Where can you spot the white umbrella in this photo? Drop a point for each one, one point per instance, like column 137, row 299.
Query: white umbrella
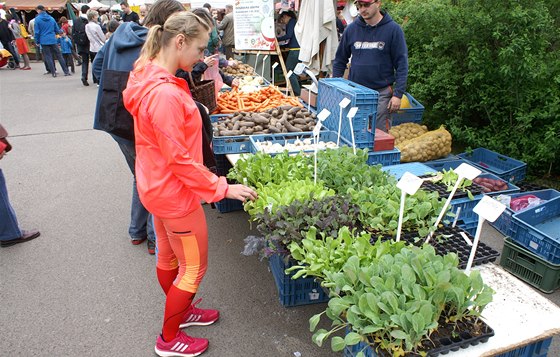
column 96, row 5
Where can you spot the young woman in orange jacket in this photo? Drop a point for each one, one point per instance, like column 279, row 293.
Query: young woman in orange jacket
column 170, row 175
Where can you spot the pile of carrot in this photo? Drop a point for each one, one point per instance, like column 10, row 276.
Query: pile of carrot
column 258, row 101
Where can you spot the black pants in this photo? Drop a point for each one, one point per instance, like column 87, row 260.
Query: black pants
column 85, row 65
column 69, row 61
column 8, row 46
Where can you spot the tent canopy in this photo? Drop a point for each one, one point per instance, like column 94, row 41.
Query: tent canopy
column 50, row 5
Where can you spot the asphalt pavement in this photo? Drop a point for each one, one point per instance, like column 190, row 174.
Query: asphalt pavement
column 82, row 289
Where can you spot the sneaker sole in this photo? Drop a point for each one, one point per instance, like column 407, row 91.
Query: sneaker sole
column 194, row 323
column 178, row 354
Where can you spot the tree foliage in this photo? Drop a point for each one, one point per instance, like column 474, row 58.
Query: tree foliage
column 490, row 71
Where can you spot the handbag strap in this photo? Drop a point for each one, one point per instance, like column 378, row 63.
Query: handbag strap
column 3, row 132
column 191, row 80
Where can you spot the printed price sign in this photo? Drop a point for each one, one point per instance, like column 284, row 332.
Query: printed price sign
column 489, row 209
column 409, row 183
column 467, row 171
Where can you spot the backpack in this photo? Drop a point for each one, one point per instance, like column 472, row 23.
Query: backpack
column 79, row 33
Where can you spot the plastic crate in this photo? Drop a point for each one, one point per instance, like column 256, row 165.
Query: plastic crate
column 408, row 115
column 238, row 144
column 503, row 223
column 536, row 349
column 284, row 138
column 529, row 267
column 227, row 205
column 301, row 291
column 441, row 165
column 385, row 158
column 469, row 226
column 415, row 168
column 538, row 230
column 500, row 165
column 332, row 91
column 383, row 141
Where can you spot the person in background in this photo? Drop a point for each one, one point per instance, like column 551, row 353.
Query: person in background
column 340, row 22
column 7, row 38
column 66, row 49
column 228, row 38
column 143, row 13
column 113, row 64
column 21, row 43
column 10, row 233
column 67, row 29
column 214, row 41
column 79, row 35
column 111, row 28
column 104, row 19
column 171, row 177
column 289, row 19
column 379, row 57
column 45, row 35
column 95, row 36
column 128, row 14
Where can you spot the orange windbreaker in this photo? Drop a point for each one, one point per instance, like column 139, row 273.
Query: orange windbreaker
column 170, row 176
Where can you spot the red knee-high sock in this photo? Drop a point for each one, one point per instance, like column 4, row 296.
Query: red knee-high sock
column 166, row 278
column 176, row 305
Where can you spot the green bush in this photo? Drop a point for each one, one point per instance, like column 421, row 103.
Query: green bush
column 490, row 71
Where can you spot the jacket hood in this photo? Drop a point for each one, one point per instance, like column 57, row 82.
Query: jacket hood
column 43, row 17
column 129, row 35
column 142, row 81
column 385, row 20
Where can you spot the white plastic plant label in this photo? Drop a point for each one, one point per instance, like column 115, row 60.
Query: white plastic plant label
column 317, row 129
column 274, row 65
column 489, row 209
column 352, row 112
column 467, row 171
column 289, row 74
column 409, row 183
column 323, row 115
column 344, row 102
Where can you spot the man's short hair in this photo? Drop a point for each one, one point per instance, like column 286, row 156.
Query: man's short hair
column 229, row 7
column 124, row 3
column 40, row 7
column 84, row 9
column 207, row 5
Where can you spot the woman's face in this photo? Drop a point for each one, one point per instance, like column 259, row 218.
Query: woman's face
column 192, row 51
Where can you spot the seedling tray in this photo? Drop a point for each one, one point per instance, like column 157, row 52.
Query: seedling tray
column 282, row 139
column 452, row 244
column 443, row 339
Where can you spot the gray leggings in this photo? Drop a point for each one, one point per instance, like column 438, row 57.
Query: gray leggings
column 383, row 120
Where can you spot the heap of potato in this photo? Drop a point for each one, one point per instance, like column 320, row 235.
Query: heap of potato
column 407, row 131
column 428, row 146
column 239, row 70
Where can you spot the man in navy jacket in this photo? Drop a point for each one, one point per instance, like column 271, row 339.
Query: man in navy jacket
column 379, row 57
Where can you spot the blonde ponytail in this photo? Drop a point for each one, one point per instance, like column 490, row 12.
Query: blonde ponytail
column 183, row 22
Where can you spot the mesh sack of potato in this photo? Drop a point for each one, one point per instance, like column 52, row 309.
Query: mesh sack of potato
column 428, row 146
column 407, row 131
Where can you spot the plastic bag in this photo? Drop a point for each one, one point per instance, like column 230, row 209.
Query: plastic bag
column 213, row 72
column 525, row 202
column 253, row 245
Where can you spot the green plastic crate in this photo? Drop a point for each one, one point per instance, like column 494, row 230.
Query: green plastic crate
column 529, row 267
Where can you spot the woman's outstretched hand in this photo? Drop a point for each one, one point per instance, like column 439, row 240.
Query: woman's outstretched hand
column 241, row 193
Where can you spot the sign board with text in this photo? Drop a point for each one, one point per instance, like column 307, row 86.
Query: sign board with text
column 254, row 25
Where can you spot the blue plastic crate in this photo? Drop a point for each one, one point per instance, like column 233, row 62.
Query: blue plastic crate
column 449, row 157
column 385, row 158
column 291, row 137
column 500, row 165
column 415, row 168
column 538, row 230
column 238, row 144
column 503, row 223
column 440, row 165
column 227, row 205
column 408, row 115
column 301, row 291
column 536, row 349
column 332, row 91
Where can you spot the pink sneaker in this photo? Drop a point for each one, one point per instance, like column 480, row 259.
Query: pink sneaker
column 182, row 345
column 199, row 317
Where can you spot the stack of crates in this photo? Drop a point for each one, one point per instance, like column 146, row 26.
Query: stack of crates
column 331, row 92
column 226, row 205
column 532, row 252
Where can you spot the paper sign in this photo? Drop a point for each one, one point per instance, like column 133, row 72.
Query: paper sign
column 467, row 171
column 254, row 25
column 352, row 112
column 324, row 114
column 344, row 102
column 489, row 209
column 409, row 183
column 317, row 128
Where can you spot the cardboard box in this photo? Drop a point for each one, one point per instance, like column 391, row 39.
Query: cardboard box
column 309, row 99
column 383, row 141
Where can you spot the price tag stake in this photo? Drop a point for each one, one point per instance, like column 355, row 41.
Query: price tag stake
column 263, row 63
column 288, row 84
column 408, row 184
column 343, row 104
column 351, row 115
column 323, row 115
column 274, row 65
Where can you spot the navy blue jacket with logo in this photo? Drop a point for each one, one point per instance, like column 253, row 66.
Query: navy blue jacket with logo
column 379, row 54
